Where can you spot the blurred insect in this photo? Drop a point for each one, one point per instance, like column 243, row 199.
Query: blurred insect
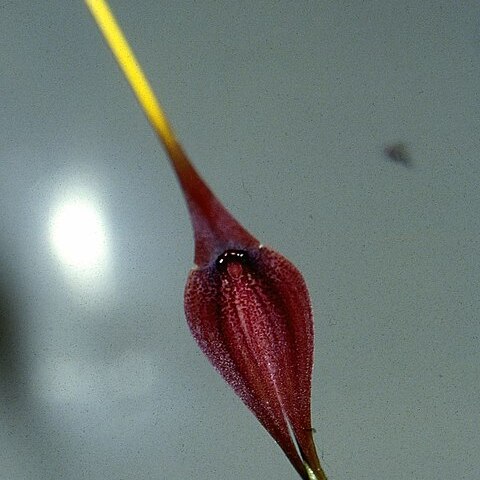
column 398, row 153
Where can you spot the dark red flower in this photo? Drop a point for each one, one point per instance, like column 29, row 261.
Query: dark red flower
column 247, row 306
column 249, row 310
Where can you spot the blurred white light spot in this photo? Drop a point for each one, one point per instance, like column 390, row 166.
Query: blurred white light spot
column 78, row 234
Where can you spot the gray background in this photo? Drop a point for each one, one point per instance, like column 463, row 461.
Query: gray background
column 285, row 108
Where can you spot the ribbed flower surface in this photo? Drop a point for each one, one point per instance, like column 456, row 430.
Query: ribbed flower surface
column 250, row 313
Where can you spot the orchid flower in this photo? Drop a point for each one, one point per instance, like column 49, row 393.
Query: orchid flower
column 246, row 305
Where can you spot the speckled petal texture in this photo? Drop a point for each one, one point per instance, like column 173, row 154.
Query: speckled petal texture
column 250, row 314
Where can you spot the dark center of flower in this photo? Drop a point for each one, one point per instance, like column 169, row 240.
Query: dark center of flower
column 231, row 256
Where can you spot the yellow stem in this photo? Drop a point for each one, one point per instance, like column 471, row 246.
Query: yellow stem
column 133, row 72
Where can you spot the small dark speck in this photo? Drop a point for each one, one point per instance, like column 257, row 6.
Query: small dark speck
column 398, row 153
